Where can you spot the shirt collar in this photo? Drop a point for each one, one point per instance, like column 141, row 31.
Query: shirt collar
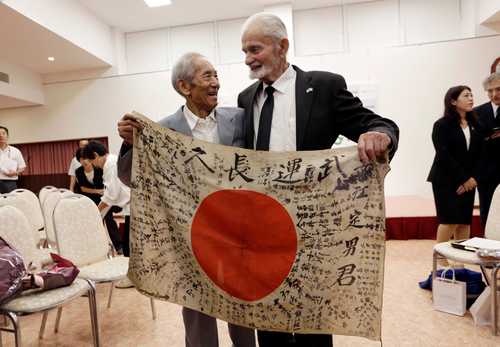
column 7, row 149
column 283, row 83
column 193, row 119
column 495, row 107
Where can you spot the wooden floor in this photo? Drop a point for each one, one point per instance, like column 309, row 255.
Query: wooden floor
column 408, row 318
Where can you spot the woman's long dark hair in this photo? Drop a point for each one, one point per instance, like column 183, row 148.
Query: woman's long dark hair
column 450, row 110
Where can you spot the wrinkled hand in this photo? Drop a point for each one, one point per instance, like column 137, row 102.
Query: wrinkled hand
column 126, row 127
column 372, row 144
column 495, row 135
column 467, row 186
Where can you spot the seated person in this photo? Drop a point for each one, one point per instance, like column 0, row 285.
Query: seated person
column 89, row 182
column 88, row 179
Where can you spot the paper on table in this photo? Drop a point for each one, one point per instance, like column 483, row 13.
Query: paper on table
column 479, row 242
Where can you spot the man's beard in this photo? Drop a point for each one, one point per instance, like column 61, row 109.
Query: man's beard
column 261, row 72
column 264, row 70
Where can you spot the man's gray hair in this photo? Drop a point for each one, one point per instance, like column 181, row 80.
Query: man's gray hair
column 269, row 24
column 495, row 76
column 184, row 69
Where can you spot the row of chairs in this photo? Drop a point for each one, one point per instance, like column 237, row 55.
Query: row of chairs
column 38, row 210
column 71, row 224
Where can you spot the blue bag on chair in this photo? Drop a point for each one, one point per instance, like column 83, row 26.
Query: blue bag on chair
column 473, row 280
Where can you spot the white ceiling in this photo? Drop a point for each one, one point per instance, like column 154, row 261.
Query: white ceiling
column 28, row 44
column 135, row 15
column 31, row 44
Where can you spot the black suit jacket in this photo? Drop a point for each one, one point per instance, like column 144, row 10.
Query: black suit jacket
column 453, row 163
column 489, row 166
column 324, row 109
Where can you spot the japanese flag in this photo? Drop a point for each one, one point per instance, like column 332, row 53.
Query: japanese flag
column 282, row 241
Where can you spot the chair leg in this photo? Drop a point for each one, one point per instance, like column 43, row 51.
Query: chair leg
column 93, row 314
column 494, row 314
column 486, row 274
column 153, row 308
column 4, row 323
column 16, row 327
column 58, row 319
column 434, row 269
column 42, row 326
column 110, row 294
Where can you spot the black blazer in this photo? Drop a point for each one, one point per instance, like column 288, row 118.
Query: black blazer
column 324, row 109
column 453, row 164
column 82, row 181
column 489, row 165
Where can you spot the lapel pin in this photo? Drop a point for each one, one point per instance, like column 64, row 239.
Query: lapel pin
column 308, row 90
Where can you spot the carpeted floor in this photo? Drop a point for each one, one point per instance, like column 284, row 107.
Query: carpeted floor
column 408, row 317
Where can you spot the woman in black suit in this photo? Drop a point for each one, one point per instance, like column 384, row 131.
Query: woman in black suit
column 453, row 172
column 89, row 182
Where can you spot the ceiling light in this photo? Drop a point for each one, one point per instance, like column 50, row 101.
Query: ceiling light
column 51, row 58
column 157, row 3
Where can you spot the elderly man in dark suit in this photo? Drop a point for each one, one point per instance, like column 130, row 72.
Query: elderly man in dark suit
column 196, row 80
column 290, row 109
column 489, row 126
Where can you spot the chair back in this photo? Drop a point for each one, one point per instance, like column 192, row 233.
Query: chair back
column 492, row 229
column 15, row 229
column 79, row 229
column 42, row 194
column 23, row 205
column 48, row 207
column 35, row 215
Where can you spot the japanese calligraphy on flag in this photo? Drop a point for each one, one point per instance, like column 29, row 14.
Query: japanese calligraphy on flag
column 281, row 241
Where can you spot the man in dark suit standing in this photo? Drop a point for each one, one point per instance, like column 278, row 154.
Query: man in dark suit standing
column 290, row 109
column 489, row 126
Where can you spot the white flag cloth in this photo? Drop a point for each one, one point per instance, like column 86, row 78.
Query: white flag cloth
column 281, row 241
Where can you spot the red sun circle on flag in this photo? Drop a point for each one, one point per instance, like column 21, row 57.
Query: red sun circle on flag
column 244, row 241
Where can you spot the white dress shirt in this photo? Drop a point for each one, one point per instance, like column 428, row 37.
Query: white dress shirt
column 11, row 159
column 73, row 165
column 466, row 131
column 89, row 175
column 115, row 192
column 495, row 108
column 202, row 128
column 283, row 128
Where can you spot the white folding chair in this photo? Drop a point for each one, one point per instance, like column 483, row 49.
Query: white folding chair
column 23, row 205
column 42, row 194
column 48, row 207
column 82, row 238
column 14, row 229
column 32, row 210
column 444, row 250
